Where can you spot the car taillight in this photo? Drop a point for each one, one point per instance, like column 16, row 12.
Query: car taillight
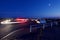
column 21, row 20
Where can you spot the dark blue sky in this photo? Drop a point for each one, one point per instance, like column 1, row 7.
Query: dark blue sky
column 30, row 8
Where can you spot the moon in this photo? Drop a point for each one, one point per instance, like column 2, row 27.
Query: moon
column 49, row 4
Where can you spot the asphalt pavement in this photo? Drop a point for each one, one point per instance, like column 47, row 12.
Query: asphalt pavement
column 18, row 32
column 11, row 30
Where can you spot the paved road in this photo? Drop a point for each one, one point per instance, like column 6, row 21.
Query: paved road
column 14, row 29
column 18, row 32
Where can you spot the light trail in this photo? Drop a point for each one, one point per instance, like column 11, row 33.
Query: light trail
column 9, row 22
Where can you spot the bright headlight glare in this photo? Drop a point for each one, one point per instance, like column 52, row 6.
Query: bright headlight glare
column 37, row 21
column 5, row 21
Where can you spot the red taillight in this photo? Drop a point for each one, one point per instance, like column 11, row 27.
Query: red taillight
column 21, row 20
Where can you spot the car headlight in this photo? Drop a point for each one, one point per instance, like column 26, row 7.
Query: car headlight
column 37, row 21
column 5, row 21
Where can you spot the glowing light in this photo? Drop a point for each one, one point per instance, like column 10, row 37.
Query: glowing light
column 37, row 21
column 5, row 21
column 49, row 4
column 21, row 20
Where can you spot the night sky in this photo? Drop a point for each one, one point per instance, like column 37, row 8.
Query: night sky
column 30, row 8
